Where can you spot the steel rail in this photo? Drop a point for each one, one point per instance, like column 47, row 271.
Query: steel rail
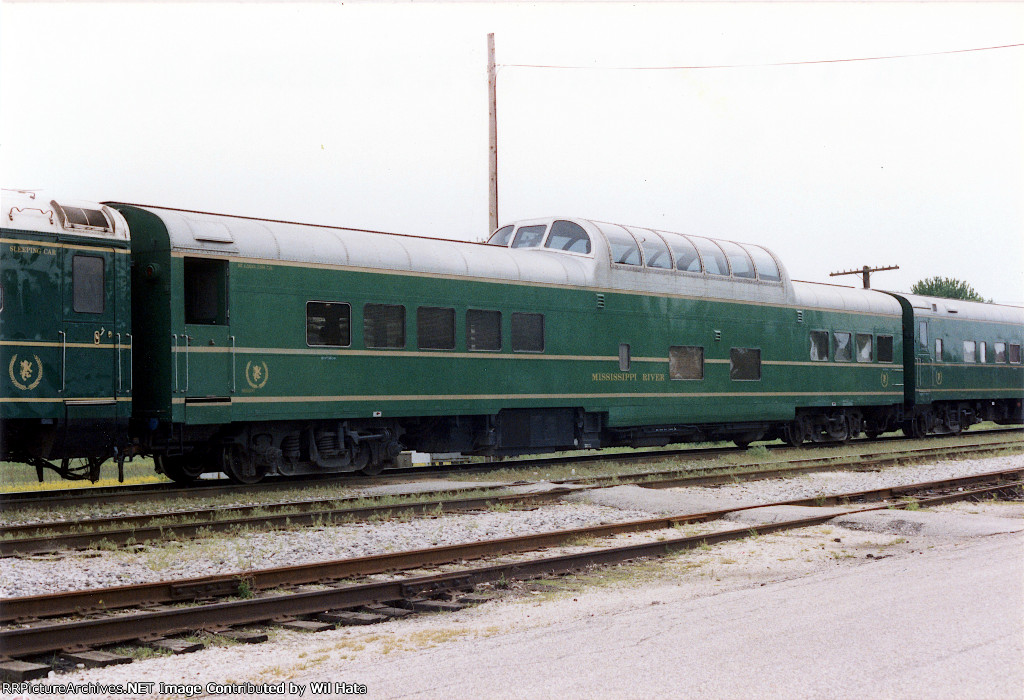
column 138, row 626
column 140, row 528
column 10, row 501
column 52, row 605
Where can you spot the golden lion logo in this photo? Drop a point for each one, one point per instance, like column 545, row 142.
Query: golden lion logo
column 24, row 374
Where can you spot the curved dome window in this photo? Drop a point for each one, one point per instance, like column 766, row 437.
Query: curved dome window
column 687, row 259
column 739, row 261
column 529, row 236
column 655, row 250
column 622, row 245
column 713, row 257
column 767, row 268
column 567, row 236
column 502, row 236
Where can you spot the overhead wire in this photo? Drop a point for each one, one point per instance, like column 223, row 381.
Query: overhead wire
column 764, row 65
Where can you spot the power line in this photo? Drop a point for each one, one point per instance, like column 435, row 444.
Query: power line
column 764, row 65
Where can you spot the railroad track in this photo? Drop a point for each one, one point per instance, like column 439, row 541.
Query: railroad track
column 207, row 488
column 36, row 538
column 149, row 613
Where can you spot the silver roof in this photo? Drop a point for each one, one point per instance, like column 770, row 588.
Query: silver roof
column 829, row 296
column 937, row 307
column 35, row 210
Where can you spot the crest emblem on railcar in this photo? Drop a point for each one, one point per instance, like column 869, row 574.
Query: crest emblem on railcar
column 25, row 374
column 256, row 374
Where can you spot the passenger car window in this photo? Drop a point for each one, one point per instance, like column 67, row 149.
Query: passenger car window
column 970, row 351
column 87, row 280
column 687, row 259
column 1014, row 354
column 565, row 235
column 686, row 362
column 741, row 264
column 527, row 332
column 624, row 357
column 885, row 348
column 745, row 364
column 982, row 352
column 767, row 268
column 206, row 291
column 501, row 237
column 435, row 328
column 844, row 350
column 819, row 346
column 384, row 326
column 623, row 247
column 712, row 255
column 938, row 349
column 656, row 253
column 328, row 324
column 864, row 353
column 1000, row 349
column 483, row 330
column 529, row 236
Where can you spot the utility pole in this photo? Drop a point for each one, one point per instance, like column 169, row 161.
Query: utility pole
column 865, row 273
column 492, row 94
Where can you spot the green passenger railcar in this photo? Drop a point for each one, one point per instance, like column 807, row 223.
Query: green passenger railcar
column 964, row 363
column 273, row 347
column 65, row 334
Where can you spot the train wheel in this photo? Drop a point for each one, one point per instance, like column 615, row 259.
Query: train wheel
column 238, row 463
column 183, row 469
column 366, row 465
column 839, row 429
column 796, row 433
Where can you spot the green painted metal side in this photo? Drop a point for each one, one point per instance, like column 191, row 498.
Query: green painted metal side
column 269, row 373
column 950, row 377
column 57, row 362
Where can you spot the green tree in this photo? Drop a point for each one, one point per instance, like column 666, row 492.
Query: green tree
column 946, row 287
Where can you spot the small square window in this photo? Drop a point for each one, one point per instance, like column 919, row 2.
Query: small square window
column 745, row 364
column 844, row 347
column 527, row 332
column 885, row 350
column 435, row 328
column 1014, row 353
column 864, row 347
column 1000, row 349
column 819, row 346
column 328, row 324
column 938, row 349
column 483, row 330
column 970, row 351
column 686, row 362
column 384, row 326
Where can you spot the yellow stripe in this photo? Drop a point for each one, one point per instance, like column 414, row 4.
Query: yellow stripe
column 68, row 246
column 18, row 399
column 512, row 397
column 340, row 352
column 49, row 344
column 998, row 365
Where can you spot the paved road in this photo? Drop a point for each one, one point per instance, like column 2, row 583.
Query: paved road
column 945, row 623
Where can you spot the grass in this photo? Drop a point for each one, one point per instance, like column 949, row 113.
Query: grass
column 17, row 477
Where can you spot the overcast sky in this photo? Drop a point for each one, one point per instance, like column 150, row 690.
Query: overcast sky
column 375, row 116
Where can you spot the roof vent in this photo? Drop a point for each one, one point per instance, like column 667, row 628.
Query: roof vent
column 800, row 316
column 210, row 231
column 600, row 301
